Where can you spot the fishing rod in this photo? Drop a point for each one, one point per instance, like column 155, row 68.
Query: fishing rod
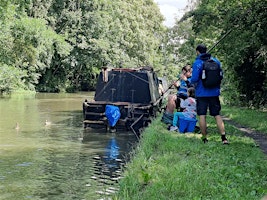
column 223, row 37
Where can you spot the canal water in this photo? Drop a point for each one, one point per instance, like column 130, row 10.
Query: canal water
column 57, row 160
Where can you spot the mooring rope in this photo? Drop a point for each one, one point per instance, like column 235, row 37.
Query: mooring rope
column 138, row 77
column 104, row 88
column 114, row 77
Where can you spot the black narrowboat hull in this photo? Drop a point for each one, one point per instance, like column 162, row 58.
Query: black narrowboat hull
column 134, row 92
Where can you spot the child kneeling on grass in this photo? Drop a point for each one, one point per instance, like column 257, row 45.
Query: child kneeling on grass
column 189, row 109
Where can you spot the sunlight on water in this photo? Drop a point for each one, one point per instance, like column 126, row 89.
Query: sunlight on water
column 59, row 160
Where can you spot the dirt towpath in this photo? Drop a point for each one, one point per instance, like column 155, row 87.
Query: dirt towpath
column 260, row 138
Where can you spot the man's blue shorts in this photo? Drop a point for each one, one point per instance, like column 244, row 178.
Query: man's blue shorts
column 211, row 103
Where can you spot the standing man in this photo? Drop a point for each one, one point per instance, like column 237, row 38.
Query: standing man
column 207, row 98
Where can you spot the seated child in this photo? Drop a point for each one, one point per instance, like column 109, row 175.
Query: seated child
column 189, row 109
column 174, row 99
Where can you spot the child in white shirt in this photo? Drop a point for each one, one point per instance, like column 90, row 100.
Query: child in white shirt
column 189, row 109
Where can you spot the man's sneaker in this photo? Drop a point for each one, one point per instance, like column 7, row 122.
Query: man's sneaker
column 205, row 140
column 225, row 142
column 173, row 128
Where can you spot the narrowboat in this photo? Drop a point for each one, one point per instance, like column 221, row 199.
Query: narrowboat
column 124, row 99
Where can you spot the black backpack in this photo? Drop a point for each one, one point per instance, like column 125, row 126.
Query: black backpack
column 211, row 74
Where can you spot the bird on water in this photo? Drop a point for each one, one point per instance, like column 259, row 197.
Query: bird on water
column 47, row 123
column 17, row 126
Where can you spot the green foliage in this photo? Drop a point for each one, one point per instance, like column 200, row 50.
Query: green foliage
column 28, row 44
column 104, row 33
column 11, row 78
column 182, row 37
column 64, row 44
column 242, row 52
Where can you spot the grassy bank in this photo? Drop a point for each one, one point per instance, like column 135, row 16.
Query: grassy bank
column 167, row 165
column 254, row 119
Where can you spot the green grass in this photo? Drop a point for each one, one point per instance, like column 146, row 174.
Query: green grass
column 167, row 165
column 254, row 119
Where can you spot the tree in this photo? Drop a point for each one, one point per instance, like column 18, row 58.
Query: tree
column 61, row 44
column 120, row 33
column 242, row 52
column 28, row 44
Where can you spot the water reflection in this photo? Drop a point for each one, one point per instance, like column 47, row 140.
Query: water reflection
column 112, row 152
column 59, row 161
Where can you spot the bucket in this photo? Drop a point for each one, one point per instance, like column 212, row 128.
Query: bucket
column 187, row 124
